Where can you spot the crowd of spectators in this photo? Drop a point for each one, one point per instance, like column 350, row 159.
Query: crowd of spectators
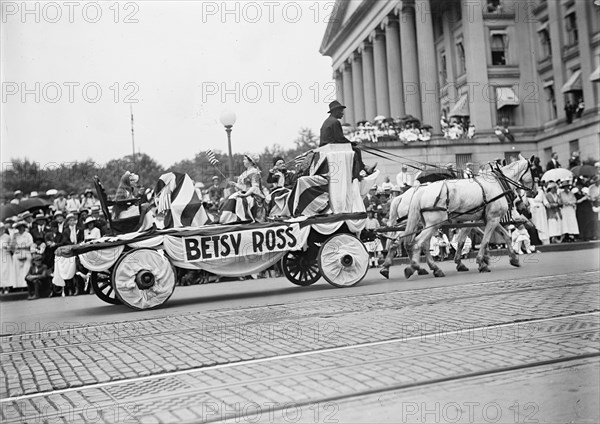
column 29, row 241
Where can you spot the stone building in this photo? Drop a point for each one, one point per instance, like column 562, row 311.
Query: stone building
column 525, row 65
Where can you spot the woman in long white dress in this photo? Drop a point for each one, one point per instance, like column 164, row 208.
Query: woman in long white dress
column 553, row 210
column 570, row 227
column 22, row 242
column 539, row 217
column 7, row 267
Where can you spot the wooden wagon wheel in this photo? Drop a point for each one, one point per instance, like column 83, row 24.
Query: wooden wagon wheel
column 301, row 268
column 103, row 287
column 143, row 279
column 343, row 260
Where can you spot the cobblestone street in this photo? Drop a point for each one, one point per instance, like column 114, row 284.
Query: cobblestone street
column 349, row 358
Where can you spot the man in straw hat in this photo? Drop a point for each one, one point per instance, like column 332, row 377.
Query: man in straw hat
column 332, row 132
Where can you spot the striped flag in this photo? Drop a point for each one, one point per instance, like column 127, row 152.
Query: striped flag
column 178, row 199
column 212, row 158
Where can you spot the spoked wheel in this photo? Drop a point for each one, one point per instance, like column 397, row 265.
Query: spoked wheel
column 103, row 287
column 343, row 260
column 301, row 268
column 143, row 279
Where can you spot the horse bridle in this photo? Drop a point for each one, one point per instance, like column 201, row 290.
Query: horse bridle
column 517, row 183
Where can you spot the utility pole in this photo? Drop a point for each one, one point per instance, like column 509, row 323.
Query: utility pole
column 132, row 137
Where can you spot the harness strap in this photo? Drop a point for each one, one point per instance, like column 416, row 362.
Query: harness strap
column 485, row 202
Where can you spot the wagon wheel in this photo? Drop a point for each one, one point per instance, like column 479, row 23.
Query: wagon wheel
column 143, row 279
column 301, row 268
column 343, row 260
column 103, row 287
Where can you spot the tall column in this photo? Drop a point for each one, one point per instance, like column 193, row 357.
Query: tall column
column 430, row 92
column 481, row 109
column 339, row 86
column 381, row 77
column 582, row 11
column 410, row 64
column 366, row 49
column 555, row 22
column 357, row 87
column 348, row 94
column 394, row 67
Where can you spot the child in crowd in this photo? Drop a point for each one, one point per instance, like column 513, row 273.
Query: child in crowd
column 38, row 273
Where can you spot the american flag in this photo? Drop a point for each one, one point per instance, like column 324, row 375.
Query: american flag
column 212, row 158
column 178, row 200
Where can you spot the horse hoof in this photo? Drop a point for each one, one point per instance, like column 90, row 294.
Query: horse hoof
column 439, row 273
column 515, row 262
column 385, row 272
column 422, row 272
column 484, row 269
column 408, row 271
column 461, row 268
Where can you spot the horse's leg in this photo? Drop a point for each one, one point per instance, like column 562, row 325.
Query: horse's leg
column 387, row 263
column 420, row 243
column 462, row 236
column 482, row 260
column 430, row 262
column 514, row 257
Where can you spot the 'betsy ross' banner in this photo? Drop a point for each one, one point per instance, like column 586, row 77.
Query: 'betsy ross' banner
column 244, row 243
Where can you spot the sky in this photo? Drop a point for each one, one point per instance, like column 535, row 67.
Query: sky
column 71, row 71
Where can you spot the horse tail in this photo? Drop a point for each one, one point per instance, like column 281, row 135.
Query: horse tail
column 414, row 216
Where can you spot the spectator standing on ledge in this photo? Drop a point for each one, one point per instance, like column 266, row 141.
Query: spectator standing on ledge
column 553, row 164
column 574, row 160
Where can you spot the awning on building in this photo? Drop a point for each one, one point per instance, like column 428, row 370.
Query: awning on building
column 461, row 108
column 574, row 82
column 595, row 77
column 505, row 96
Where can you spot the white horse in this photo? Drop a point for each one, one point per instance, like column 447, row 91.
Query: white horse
column 399, row 209
column 465, row 200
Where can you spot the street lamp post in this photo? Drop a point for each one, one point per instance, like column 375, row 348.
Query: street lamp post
column 228, row 119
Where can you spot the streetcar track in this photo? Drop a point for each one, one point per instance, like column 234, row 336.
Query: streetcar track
column 404, row 386
column 277, row 320
column 83, row 329
column 345, row 348
column 291, row 304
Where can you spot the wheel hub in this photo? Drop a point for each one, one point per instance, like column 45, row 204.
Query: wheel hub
column 347, row 260
column 144, row 280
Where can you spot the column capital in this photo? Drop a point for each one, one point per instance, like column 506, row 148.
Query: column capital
column 354, row 57
column 388, row 20
column 377, row 32
column 407, row 6
column 365, row 45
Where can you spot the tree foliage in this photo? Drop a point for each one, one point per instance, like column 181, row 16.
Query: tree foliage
column 27, row 175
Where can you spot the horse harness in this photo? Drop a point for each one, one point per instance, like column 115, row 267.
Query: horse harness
column 502, row 180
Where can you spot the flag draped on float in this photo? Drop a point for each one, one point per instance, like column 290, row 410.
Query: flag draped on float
column 179, row 201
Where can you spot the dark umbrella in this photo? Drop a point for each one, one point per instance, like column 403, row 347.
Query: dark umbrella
column 408, row 118
column 584, row 171
column 433, row 175
column 10, row 210
column 34, row 203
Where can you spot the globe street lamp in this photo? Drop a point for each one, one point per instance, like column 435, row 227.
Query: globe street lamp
column 228, row 119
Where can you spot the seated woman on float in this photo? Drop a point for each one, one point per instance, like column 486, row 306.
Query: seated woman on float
column 248, row 202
